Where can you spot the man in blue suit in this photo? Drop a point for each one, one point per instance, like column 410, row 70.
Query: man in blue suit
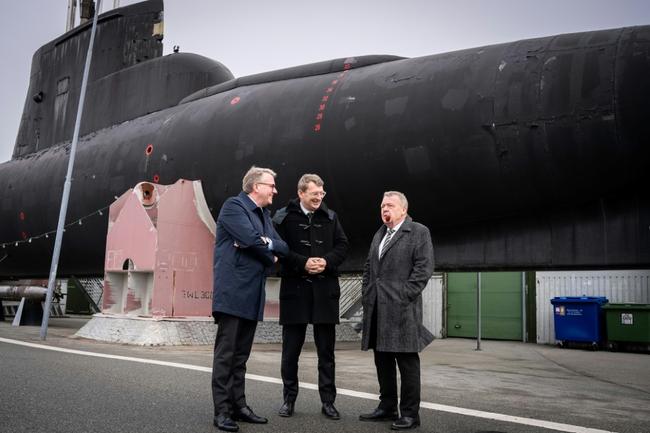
column 246, row 248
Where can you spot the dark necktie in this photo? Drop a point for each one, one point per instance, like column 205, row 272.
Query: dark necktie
column 310, row 215
column 260, row 214
column 389, row 236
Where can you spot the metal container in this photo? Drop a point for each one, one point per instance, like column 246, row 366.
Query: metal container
column 579, row 319
column 627, row 323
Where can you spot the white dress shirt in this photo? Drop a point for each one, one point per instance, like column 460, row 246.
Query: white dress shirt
column 395, row 229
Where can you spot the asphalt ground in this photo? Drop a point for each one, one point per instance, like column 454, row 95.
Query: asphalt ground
column 463, row 390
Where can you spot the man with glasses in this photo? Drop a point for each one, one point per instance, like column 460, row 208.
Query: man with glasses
column 309, row 292
column 246, row 247
column 398, row 268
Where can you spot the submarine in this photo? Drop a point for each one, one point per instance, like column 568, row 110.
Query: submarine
column 525, row 155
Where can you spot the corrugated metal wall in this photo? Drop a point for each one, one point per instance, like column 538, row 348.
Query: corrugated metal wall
column 432, row 305
column 617, row 286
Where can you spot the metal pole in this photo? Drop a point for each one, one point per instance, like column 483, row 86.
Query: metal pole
column 478, row 311
column 68, row 181
column 72, row 7
column 524, row 299
column 116, row 4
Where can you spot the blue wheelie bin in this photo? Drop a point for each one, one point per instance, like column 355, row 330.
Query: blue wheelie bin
column 579, row 319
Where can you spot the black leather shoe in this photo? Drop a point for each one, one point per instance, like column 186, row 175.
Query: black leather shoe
column 405, row 423
column 246, row 414
column 225, row 423
column 379, row 414
column 330, row 411
column 286, row 410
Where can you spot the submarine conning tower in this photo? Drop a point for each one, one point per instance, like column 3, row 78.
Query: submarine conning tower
column 128, row 78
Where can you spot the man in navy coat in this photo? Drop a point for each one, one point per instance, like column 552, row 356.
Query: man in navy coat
column 246, row 247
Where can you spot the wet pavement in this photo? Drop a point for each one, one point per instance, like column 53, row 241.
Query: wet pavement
column 505, row 387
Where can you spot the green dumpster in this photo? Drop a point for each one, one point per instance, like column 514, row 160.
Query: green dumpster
column 627, row 323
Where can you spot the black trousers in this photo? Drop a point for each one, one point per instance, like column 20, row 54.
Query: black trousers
column 293, row 338
column 232, row 347
column 409, row 370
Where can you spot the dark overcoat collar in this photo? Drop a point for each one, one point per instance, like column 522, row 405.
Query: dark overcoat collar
column 249, row 203
column 294, row 206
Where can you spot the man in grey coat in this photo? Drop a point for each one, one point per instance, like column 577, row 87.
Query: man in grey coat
column 398, row 267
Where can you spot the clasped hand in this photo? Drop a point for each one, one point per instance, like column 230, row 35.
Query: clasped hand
column 315, row 265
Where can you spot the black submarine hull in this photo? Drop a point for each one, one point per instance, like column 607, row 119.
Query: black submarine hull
column 527, row 155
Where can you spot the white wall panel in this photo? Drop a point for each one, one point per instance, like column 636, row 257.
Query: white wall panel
column 432, row 305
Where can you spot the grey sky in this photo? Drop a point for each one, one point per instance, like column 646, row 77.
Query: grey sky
column 251, row 36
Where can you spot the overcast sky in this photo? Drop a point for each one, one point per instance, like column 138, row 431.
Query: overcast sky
column 251, row 36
